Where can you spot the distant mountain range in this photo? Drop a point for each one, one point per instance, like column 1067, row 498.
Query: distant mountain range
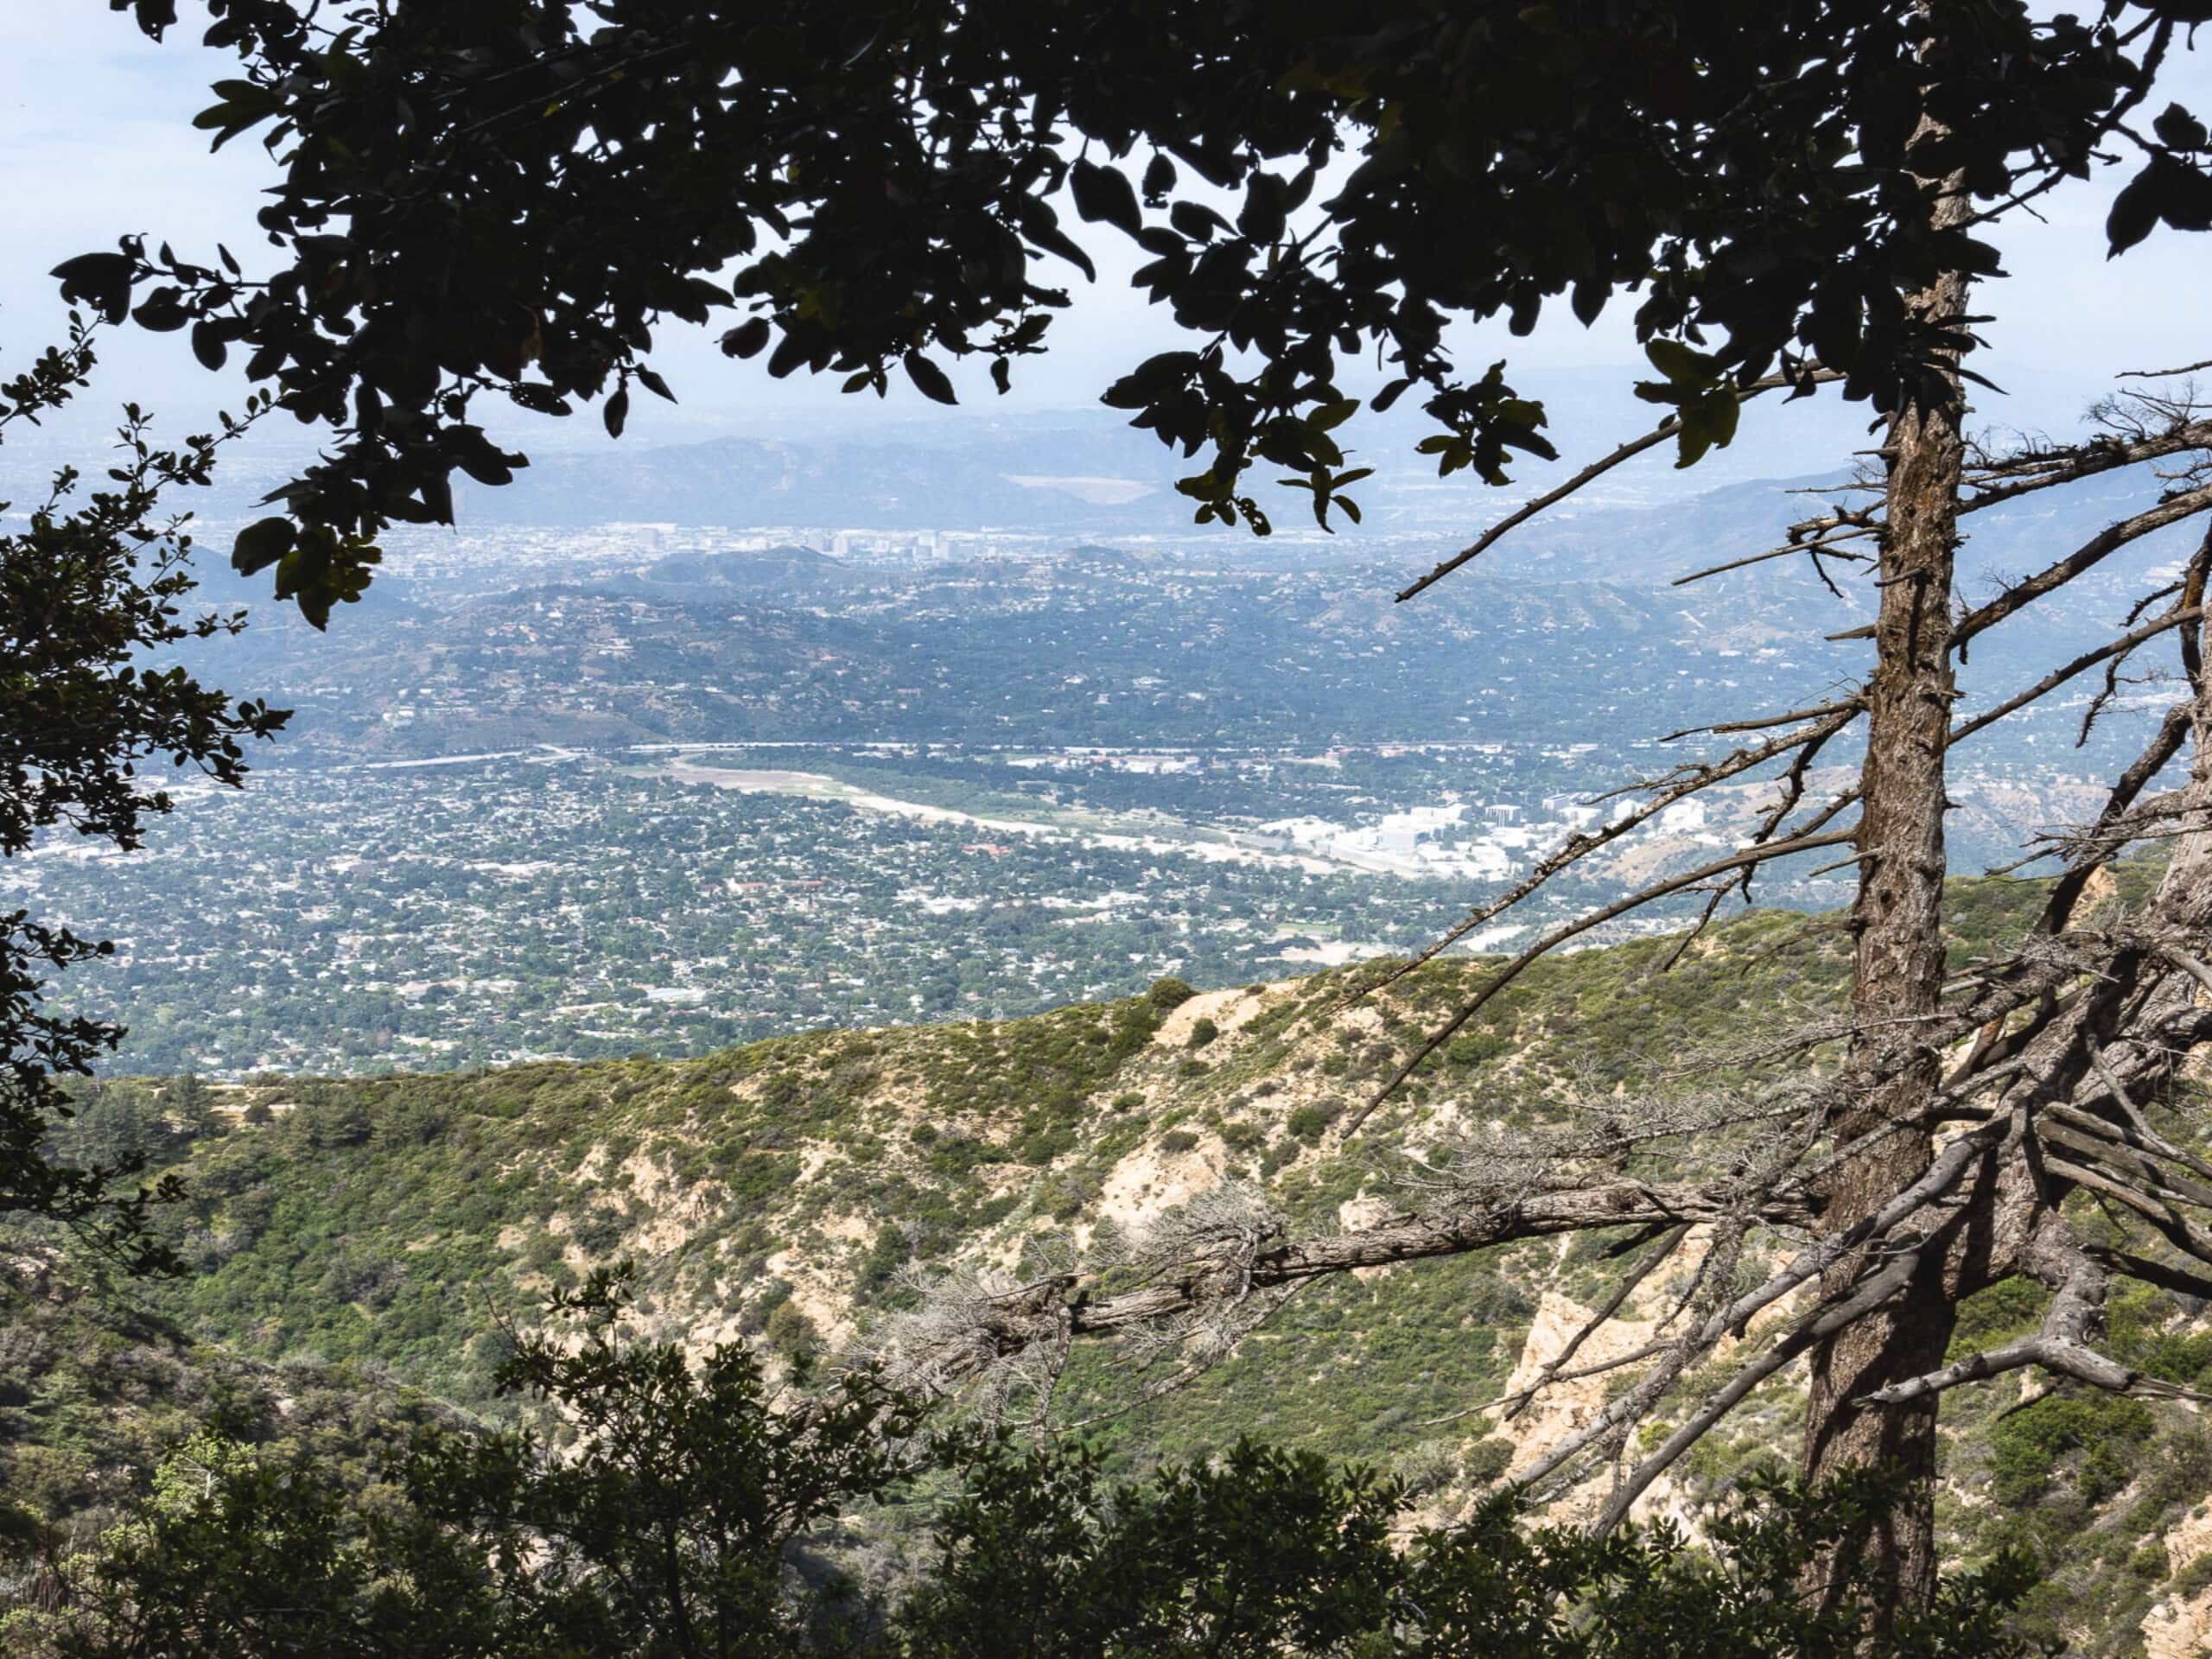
column 1086, row 469
column 1096, row 474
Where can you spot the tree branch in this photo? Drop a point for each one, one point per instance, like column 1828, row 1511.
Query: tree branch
column 1589, row 475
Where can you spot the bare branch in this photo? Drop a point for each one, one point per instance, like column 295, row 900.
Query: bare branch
column 2165, row 1275
column 1825, row 547
column 2061, row 1345
column 1613, row 1304
column 1597, row 469
column 2185, row 1234
column 2091, row 553
column 2058, row 676
column 2164, row 374
column 2042, row 470
column 1824, row 1321
column 2099, row 844
column 1944, row 1173
column 980, row 1324
column 1579, row 847
column 2188, row 964
column 1842, row 705
column 1743, row 858
column 2172, row 511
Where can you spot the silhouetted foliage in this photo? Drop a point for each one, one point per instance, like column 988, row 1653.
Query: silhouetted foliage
column 692, row 1514
column 91, row 586
column 512, row 196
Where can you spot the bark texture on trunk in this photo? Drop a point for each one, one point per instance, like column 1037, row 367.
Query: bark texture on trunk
column 1898, row 962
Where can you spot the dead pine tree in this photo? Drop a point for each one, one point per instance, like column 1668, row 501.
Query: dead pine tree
column 1901, row 1186
column 1964, row 1121
column 1913, row 1175
column 1898, row 928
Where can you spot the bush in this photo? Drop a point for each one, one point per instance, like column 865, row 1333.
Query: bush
column 2027, row 1447
column 2009, row 1308
column 1475, row 1049
column 2150, row 1563
column 334, row 1124
column 1203, row 1032
column 1486, row 1459
column 1427, row 1468
column 1168, row 995
column 667, row 1527
column 791, row 1333
column 2195, row 1579
column 1178, row 1141
column 1266, row 1552
column 599, row 1232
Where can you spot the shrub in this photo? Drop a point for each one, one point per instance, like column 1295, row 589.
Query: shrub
column 1170, row 994
column 1178, row 1141
column 2196, row 1577
column 333, row 1124
column 1474, row 1049
column 1426, row 1468
column 2026, row 1447
column 2007, row 1309
column 599, row 1234
column 2150, row 1563
column 1486, row 1459
column 791, row 1333
column 668, row 1524
column 1204, row 1032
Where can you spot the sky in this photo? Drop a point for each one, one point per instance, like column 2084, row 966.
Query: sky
column 96, row 141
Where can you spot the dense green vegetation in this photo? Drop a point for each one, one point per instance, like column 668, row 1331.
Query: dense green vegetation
column 687, row 1516
column 97, row 1393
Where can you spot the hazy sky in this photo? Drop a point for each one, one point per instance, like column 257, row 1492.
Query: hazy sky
column 97, row 142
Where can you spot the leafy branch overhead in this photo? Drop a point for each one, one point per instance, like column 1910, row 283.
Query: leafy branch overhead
column 513, row 198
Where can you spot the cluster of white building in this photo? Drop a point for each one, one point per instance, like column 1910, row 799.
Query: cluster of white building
column 1461, row 839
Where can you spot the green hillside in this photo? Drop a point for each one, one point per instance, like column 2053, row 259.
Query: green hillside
column 803, row 1192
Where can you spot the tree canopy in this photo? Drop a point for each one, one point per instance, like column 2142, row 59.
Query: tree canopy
column 93, row 585
column 510, row 197
column 691, row 1517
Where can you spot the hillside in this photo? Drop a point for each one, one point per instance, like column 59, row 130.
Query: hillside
column 97, row 1389
column 801, row 1193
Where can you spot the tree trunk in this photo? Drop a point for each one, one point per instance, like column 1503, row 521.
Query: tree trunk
column 1898, row 960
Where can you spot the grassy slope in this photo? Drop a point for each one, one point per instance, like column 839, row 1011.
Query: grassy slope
column 789, row 1186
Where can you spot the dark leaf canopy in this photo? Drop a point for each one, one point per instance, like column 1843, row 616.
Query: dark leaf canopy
column 509, row 197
